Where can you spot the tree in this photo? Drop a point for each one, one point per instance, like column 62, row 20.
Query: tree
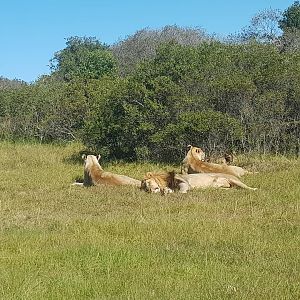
column 143, row 44
column 290, row 25
column 263, row 27
column 242, row 96
column 84, row 57
column 7, row 83
column 291, row 17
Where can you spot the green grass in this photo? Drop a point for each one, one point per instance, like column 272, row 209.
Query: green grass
column 63, row 242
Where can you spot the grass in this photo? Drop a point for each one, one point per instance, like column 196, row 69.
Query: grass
column 63, row 242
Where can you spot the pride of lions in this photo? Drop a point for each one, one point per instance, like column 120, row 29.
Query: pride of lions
column 195, row 173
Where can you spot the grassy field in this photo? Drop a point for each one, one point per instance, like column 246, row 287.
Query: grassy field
column 58, row 241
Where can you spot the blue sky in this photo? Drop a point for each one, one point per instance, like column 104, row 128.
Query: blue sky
column 33, row 30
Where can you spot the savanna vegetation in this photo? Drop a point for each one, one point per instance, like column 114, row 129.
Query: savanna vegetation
column 58, row 241
column 146, row 97
column 139, row 103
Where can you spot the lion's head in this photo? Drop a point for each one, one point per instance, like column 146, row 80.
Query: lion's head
column 91, row 160
column 196, row 152
column 229, row 157
column 163, row 183
column 91, row 164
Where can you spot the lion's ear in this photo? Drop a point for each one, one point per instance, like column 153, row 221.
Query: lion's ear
column 149, row 174
column 188, row 147
column 83, row 156
column 98, row 157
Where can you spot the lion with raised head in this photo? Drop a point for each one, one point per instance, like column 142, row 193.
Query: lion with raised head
column 95, row 175
column 194, row 162
column 169, row 182
column 228, row 158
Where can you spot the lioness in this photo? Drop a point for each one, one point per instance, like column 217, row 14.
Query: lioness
column 165, row 183
column 95, row 175
column 194, row 163
column 227, row 158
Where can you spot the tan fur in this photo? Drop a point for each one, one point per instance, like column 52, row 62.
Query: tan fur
column 95, row 175
column 168, row 182
column 159, row 182
column 194, row 163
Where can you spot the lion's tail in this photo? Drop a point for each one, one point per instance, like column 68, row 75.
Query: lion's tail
column 251, row 172
column 240, row 184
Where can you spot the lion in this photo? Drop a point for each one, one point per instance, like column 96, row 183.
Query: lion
column 194, row 162
column 95, row 175
column 228, row 158
column 168, row 182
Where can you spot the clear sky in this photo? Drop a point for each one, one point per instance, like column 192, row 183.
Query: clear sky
column 32, row 31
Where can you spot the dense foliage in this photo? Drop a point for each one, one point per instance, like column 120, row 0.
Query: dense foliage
column 242, row 95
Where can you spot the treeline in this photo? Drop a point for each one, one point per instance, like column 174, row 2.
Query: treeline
column 150, row 95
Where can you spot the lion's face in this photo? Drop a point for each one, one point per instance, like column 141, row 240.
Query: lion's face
column 150, row 185
column 155, row 184
column 198, row 153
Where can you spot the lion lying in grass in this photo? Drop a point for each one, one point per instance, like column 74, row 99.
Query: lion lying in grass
column 194, row 163
column 95, row 175
column 165, row 183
